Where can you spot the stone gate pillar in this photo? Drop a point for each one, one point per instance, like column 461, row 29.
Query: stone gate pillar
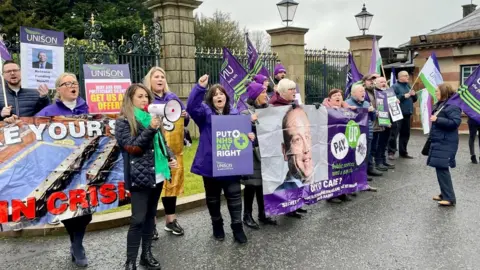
column 361, row 48
column 289, row 44
column 178, row 42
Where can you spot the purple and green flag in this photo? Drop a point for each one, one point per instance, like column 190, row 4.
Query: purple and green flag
column 353, row 75
column 4, row 55
column 233, row 77
column 255, row 65
column 468, row 96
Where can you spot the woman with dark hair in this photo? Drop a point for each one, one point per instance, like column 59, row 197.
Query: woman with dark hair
column 147, row 162
column 444, row 139
column 257, row 99
column 216, row 102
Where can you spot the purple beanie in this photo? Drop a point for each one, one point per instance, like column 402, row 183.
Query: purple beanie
column 279, row 68
column 259, row 78
column 254, row 90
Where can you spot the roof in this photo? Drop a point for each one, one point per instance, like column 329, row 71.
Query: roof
column 468, row 23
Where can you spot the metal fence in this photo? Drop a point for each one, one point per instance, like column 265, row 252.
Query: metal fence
column 324, row 70
column 209, row 60
column 141, row 52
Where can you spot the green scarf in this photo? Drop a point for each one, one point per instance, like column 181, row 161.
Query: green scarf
column 161, row 162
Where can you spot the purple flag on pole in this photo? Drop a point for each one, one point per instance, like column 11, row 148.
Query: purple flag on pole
column 233, row 77
column 4, row 52
column 468, row 96
column 353, row 75
column 255, row 65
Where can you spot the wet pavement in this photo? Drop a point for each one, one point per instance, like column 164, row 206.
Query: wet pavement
column 399, row 227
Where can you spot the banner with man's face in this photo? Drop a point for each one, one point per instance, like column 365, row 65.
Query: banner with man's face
column 310, row 154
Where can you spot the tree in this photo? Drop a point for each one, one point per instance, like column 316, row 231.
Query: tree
column 14, row 15
column 218, row 31
column 261, row 40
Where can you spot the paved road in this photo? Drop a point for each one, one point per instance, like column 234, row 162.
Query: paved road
column 399, row 227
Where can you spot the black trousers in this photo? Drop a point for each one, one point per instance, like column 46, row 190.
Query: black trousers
column 402, row 131
column 142, row 222
column 169, row 204
column 382, row 141
column 232, row 192
column 77, row 225
column 473, row 129
column 249, row 194
column 446, row 186
column 392, row 139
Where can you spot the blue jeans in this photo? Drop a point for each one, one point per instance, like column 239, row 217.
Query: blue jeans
column 446, row 185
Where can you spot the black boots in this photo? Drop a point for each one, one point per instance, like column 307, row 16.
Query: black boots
column 130, row 265
column 267, row 220
column 474, row 159
column 250, row 222
column 238, row 233
column 218, row 231
column 146, row 258
column 77, row 251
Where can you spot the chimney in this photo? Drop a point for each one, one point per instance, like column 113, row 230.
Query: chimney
column 468, row 9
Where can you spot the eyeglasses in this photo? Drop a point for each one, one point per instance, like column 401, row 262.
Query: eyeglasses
column 11, row 71
column 69, row 84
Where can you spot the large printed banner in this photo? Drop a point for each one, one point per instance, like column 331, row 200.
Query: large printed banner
column 105, row 86
column 56, row 168
column 42, row 57
column 231, row 148
column 310, row 154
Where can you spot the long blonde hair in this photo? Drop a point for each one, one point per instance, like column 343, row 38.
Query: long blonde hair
column 127, row 105
column 59, row 80
column 147, row 81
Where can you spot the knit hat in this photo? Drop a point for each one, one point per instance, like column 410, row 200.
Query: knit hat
column 279, row 68
column 254, row 90
column 259, row 78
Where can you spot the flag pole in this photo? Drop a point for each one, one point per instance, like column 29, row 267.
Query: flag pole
column 4, row 89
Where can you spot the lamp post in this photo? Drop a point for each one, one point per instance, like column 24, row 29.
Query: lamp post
column 364, row 19
column 287, row 9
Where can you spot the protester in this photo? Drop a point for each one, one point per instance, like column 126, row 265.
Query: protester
column 473, row 128
column 156, row 81
column 368, row 82
column 335, row 101
column 21, row 101
column 407, row 97
column 68, row 103
column 380, row 138
column 446, row 120
column 357, row 99
column 261, row 79
column 285, row 95
column 257, row 99
column 279, row 73
column 216, row 102
column 147, row 162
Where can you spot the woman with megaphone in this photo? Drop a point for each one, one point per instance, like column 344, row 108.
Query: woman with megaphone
column 156, row 81
column 147, row 163
column 216, row 102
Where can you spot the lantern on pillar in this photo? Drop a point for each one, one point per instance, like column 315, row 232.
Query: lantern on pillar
column 287, row 9
column 364, row 19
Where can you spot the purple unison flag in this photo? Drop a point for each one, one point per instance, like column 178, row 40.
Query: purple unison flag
column 4, row 55
column 254, row 63
column 468, row 96
column 231, row 148
column 353, row 75
column 233, row 77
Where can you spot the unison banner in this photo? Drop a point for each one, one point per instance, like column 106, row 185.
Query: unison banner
column 310, row 154
column 52, row 169
column 42, row 58
column 105, row 86
column 231, row 148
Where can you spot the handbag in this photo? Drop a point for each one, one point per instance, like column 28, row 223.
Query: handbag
column 426, row 147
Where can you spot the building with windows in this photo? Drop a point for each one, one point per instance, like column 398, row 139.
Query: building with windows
column 457, row 47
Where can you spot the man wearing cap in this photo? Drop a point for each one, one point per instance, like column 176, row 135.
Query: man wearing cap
column 280, row 73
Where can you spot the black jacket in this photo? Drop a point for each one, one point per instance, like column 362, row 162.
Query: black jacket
column 137, row 152
column 27, row 102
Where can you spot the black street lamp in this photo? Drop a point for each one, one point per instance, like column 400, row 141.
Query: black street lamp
column 364, row 19
column 287, row 9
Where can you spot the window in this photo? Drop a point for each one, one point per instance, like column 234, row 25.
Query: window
column 465, row 71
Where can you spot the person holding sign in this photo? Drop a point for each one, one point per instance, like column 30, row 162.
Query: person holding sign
column 446, row 120
column 216, row 102
column 147, row 162
column 21, row 102
column 257, row 99
column 156, row 81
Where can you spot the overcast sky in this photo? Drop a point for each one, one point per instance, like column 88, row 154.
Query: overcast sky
column 330, row 21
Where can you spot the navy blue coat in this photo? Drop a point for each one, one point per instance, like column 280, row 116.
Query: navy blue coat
column 444, row 136
column 27, row 102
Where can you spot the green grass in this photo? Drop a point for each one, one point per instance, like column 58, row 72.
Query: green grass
column 193, row 183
